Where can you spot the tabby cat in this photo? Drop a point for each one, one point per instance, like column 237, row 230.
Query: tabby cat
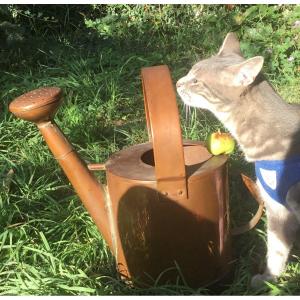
column 267, row 130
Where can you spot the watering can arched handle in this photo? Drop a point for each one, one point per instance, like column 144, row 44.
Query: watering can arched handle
column 164, row 131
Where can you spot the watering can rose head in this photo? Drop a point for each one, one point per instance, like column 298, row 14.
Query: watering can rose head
column 220, row 143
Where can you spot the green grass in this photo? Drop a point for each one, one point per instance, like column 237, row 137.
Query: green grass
column 48, row 243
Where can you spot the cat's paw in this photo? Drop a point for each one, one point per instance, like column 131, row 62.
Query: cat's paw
column 259, row 280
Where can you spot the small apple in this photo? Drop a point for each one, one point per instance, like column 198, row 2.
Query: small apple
column 220, row 142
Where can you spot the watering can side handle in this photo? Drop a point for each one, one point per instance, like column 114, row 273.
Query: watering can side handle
column 164, row 131
column 253, row 189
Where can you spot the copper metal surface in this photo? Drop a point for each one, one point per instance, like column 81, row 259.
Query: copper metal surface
column 253, row 189
column 164, row 128
column 155, row 232
column 165, row 208
column 37, row 105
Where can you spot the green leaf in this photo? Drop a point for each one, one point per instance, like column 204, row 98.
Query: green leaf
column 80, row 289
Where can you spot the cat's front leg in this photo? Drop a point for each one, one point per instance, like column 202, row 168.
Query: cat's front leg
column 293, row 200
column 278, row 252
column 281, row 234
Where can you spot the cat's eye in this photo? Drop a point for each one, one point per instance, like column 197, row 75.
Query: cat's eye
column 195, row 80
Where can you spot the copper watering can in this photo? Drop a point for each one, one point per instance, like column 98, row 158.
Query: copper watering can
column 164, row 211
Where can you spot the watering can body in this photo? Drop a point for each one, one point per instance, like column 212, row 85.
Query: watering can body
column 164, row 212
column 168, row 198
column 157, row 235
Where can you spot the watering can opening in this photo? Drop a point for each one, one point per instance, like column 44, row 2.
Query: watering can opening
column 194, row 154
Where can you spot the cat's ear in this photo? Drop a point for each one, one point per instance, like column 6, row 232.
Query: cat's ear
column 244, row 73
column 231, row 44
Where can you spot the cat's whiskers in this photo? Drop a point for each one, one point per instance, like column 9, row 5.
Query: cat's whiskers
column 187, row 109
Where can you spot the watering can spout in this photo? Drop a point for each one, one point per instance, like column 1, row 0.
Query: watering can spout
column 39, row 106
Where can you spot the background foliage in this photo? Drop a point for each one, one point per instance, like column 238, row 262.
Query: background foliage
column 48, row 244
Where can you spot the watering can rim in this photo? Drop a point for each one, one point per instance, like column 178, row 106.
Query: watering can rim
column 128, row 163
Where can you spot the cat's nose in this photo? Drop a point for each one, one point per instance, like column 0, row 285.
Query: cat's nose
column 178, row 84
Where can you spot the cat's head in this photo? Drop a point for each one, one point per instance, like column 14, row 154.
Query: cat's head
column 216, row 78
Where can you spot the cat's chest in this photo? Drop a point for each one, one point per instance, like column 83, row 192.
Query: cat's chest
column 251, row 133
column 238, row 128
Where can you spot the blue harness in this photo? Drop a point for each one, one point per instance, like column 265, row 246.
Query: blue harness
column 283, row 174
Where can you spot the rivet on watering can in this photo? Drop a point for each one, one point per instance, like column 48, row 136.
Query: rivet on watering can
column 180, row 192
column 165, row 193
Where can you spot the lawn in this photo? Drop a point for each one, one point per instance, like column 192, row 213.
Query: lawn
column 48, row 243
